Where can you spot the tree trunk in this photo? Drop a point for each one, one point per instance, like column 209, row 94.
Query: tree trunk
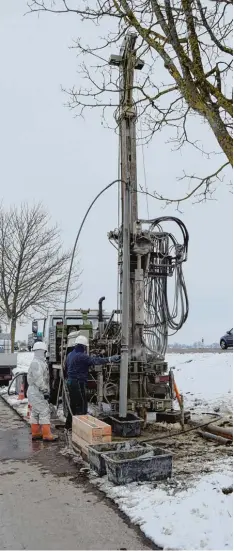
column 221, row 133
column 13, row 330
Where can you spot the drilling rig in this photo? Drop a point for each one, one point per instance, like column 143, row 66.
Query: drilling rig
column 148, row 257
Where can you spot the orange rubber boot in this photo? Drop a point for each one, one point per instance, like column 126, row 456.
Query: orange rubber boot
column 36, row 432
column 47, row 435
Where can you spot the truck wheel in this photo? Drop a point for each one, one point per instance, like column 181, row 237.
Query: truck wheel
column 223, row 344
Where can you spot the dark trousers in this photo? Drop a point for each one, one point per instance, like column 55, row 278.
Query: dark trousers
column 54, row 380
column 78, row 401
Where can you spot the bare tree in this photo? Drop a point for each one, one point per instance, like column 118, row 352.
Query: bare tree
column 33, row 266
column 193, row 40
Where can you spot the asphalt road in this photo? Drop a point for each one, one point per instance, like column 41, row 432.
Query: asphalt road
column 47, row 503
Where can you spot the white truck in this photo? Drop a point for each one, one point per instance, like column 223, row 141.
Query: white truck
column 8, row 360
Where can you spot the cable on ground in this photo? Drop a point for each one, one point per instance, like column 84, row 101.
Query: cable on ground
column 184, row 432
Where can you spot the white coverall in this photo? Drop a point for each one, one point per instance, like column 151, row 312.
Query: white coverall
column 38, row 385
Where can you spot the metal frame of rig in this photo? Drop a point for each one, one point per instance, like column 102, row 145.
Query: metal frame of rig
column 148, row 256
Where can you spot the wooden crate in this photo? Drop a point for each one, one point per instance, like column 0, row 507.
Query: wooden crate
column 80, row 444
column 90, row 429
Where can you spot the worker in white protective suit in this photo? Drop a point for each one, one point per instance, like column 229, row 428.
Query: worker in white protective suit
column 38, row 394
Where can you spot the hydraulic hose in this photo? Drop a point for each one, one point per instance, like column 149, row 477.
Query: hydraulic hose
column 159, row 317
column 21, row 373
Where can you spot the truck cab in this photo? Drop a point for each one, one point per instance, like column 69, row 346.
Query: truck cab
column 83, row 321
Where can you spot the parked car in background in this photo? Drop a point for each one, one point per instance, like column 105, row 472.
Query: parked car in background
column 227, row 340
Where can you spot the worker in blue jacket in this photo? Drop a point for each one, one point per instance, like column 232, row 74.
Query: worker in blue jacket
column 78, row 365
column 69, row 358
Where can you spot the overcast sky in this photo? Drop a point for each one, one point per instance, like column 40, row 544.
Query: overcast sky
column 48, row 155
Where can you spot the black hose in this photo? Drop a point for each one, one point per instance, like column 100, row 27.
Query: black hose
column 21, row 373
column 217, row 418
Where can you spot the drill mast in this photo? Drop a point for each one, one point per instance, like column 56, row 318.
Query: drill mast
column 147, row 257
column 130, row 267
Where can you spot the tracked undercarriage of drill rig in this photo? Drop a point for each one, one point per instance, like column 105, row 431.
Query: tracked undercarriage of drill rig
column 150, row 259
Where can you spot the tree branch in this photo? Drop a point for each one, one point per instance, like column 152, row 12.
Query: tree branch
column 205, row 181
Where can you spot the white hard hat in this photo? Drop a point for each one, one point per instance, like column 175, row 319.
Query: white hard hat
column 81, row 339
column 39, row 346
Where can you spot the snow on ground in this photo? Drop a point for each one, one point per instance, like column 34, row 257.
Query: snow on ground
column 21, row 406
column 197, row 518
column 23, row 361
column 189, row 511
column 206, row 380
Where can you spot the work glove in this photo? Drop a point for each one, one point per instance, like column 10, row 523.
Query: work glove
column 115, row 359
column 46, row 396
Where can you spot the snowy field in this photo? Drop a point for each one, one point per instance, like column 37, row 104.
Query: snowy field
column 206, row 380
column 190, row 511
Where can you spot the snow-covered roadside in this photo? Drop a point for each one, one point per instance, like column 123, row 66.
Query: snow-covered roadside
column 20, row 406
column 197, row 518
column 188, row 513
